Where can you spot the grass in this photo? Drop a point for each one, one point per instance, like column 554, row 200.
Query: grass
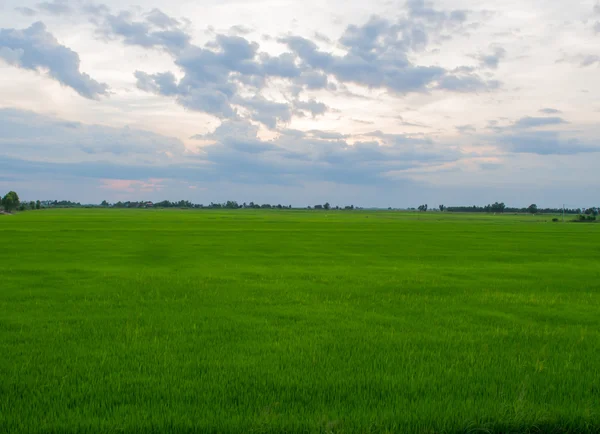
column 144, row 321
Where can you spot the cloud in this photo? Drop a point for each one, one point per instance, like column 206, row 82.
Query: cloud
column 25, row 133
column 162, row 20
column 550, row 111
column 466, row 83
column 544, row 143
column 492, row 60
column 590, row 60
column 312, row 106
column 56, row 7
column 155, row 30
column 231, row 72
column 377, row 53
column 533, row 122
column 295, row 157
column 235, row 154
column 466, row 129
column 523, row 137
column 28, row 12
column 265, row 111
column 240, row 30
column 38, row 50
column 583, row 60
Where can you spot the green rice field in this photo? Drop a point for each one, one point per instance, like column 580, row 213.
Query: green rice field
column 289, row 321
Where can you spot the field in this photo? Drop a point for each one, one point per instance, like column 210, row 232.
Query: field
column 167, row 321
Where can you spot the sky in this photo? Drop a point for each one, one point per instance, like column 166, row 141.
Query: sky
column 376, row 104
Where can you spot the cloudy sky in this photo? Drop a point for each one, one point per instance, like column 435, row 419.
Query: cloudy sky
column 382, row 103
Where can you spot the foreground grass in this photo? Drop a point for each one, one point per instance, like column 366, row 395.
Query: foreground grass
column 246, row 321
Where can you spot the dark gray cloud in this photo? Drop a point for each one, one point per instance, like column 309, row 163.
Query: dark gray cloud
column 38, row 50
column 28, row 12
column 55, row 7
column 550, row 111
column 533, row 122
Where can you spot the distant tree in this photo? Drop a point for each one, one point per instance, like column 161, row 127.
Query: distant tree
column 442, row 208
column 423, row 207
column 496, row 207
column 104, row 203
column 318, row 206
column 327, row 206
column 32, row 205
column 38, row 205
column 532, row 209
column 10, row 201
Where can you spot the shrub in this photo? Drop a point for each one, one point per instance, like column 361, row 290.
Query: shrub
column 554, row 219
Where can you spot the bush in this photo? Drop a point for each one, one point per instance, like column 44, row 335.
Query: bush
column 554, row 219
column 585, row 218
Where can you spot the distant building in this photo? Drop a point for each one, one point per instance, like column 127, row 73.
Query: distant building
column 148, row 204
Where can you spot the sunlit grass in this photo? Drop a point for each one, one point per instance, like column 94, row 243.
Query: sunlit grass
column 291, row 321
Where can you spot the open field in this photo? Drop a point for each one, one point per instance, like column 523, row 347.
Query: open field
column 296, row 321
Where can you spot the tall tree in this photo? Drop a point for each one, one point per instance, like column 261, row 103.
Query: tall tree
column 10, row 201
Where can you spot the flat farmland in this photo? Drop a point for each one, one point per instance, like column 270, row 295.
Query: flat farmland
column 170, row 321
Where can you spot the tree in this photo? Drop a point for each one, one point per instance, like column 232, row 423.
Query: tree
column 532, row 209
column 442, row 208
column 423, row 207
column 38, row 205
column 104, row 203
column 327, row 206
column 10, row 201
column 32, row 205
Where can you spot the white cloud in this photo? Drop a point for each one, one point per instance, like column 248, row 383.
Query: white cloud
column 343, row 95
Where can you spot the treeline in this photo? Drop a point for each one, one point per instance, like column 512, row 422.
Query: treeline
column 11, row 202
column 500, row 207
column 230, row 204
